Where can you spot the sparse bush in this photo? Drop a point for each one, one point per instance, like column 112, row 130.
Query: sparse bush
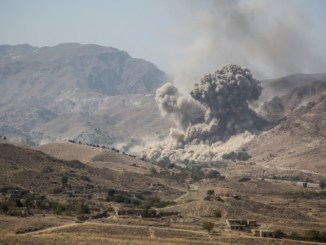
column 47, row 169
column 85, row 178
column 208, row 226
column 322, row 183
column 279, row 233
column 165, row 162
column 111, row 192
column 135, row 202
column 162, row 204
column 126, row 198
column 153, row 170
column 244, row 179
column 210, row 192
column 64, row 180
column 213, row 174
column 81, row 208
column 157, row 203
column 59, row 208
column 315, row 235
column 230, row 156
column 294, row 235
column 243, row 156
column 4, row 208
column 233, row 156
column 19, row 203
column 70, row 208
column 196, row 173
column 217, row 214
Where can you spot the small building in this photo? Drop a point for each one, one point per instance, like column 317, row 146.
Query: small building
column 241, row 224
column 264, row 233
column 252, row 223
column 256, row 232
column 144, row 213
column 236, row 224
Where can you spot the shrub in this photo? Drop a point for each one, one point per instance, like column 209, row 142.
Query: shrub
column 294, row 235
column 217, row 214
column 244, row 179
column 69, row 208
column 279, row 233
column 81, row 208
column 315, row 235
column 153, row 170
column 233, row 156
column 208, row 226
column 111, row 192
column 157, row 203
column 165, row 162
column 230, row 156
column 59, row 208
column 213, row 174
column 4, row 208
column 64, row 180
column 196, row 173
column 210, row 192
column 19, row 203
column 163, row 204
column 85, row 178
column 243, row 156
column 322, row 183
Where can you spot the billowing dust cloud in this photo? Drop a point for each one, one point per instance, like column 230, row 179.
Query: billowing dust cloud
column 217, row 110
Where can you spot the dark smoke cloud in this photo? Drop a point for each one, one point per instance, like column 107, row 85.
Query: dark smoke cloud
column 226, row 94
column 219, row 108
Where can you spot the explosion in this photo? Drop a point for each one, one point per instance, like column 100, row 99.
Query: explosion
column 217, row 110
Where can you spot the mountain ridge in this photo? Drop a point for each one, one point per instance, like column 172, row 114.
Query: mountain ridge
column 44, row 85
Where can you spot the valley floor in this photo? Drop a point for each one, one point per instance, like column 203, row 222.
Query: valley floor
column 106, row 232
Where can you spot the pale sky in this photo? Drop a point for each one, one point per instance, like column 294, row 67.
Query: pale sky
column 171, row 33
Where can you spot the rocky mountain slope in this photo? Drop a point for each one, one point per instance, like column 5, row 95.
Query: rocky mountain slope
column 61, row 91
column 36, row 171
column 101, row 95
column 298, row 141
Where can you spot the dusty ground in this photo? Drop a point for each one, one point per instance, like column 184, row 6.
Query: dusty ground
column 273, row 203
column 61, row 231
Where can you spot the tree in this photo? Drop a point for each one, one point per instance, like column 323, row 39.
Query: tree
column 243, row 156
column 315, row 235
column 153, row 170
column 196, row 173
column 208, row 226
column 164, row 162
column 111, row 192
column 4, row 208
column 213, row 174
column 322, row 183
column 64, row 180
column 217, row 214
column 279, row 233
column 210, row 192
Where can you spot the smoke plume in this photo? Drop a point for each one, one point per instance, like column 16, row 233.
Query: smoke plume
column 184, row 111
column 217, row 109
column 273, row 37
